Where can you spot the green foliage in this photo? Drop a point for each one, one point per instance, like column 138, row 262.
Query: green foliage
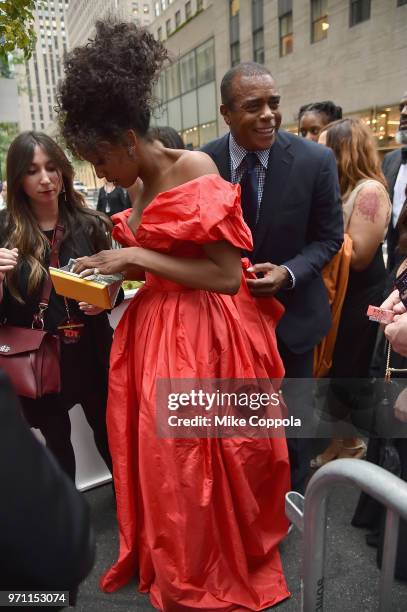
column 17, row 27
column 8, row 131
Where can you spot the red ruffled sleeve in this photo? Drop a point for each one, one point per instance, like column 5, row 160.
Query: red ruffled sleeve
column 121, row 231
column 204, row 210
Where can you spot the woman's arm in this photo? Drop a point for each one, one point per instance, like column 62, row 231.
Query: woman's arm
column 219, row 272
column 8, row 261
column 367, row 225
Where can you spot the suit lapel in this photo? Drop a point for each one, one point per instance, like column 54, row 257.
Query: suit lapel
column 277, row 178
column 221, row 157
column 393, row 172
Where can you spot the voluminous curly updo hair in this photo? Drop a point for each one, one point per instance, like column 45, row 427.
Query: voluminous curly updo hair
column 108, row 85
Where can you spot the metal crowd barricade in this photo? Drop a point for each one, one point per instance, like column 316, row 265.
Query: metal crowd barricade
column 309, row 515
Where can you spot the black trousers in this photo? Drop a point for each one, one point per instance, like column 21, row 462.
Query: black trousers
column 55, row 425
column 300, row 402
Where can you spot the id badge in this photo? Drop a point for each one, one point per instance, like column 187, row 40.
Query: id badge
column 71, row 331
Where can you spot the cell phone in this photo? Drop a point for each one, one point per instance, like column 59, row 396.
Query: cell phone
column 401, row 285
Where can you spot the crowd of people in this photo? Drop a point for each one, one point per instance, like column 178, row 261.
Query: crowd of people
column 235, row 244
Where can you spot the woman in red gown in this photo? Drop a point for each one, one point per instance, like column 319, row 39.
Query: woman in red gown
column 200, row 519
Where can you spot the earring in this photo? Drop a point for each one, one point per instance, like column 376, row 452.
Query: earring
column 132, row 152
column 63, row 193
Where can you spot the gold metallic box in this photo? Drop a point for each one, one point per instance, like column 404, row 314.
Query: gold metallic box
column 100, row 290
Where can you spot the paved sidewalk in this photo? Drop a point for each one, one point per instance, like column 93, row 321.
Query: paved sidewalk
column 352, row 577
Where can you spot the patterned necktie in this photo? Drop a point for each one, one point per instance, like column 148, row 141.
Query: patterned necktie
column 404, row 155
column 250, row 191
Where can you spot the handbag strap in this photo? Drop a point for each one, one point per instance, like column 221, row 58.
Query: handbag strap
column 38, row 318
column 389, row 371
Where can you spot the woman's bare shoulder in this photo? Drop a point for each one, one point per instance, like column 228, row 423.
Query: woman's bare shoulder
column 192, row 164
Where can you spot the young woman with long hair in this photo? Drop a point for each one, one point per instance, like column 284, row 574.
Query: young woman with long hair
column 40, row 196
column 200, row 519
column 366, row 212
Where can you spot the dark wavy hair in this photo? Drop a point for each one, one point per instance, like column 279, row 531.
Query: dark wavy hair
column 108, row 85
column 327, row 107
column 18, row 221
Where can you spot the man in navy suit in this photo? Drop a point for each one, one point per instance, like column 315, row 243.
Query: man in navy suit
column 395, row 171
column 291, row 202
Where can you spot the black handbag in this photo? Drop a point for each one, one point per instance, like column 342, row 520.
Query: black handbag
column 389, row 458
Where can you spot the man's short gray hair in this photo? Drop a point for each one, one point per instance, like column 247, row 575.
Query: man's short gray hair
column 243, row 69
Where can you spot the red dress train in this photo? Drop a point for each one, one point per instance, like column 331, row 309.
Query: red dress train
column 199, row 519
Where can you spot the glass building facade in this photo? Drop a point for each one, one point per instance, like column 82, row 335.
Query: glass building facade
column 186, row 93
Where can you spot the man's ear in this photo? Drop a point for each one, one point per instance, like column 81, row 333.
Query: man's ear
column 224, row 111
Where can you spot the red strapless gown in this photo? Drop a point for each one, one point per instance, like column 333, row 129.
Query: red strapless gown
column 200, row 519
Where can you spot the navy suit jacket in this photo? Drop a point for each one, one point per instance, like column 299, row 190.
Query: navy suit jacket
column 391, row 166
column 300, row 225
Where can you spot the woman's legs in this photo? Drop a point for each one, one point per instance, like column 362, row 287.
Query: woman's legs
column 94, row 408
column 56, row 429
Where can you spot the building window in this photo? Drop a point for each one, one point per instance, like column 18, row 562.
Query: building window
column 359, row 11
column 160, row 33
column 146, row 9
column 163, row 5
column 205, row 63
column 160, row 91
column 234, row 54
column 258, row 46
column 168, row 27
column 188, row 10
column 286, row 34
column 172, row 80
column 258, row 31
column 234, row 12
column 188, row 72
column 177, row 19
column 319, row 20
column 157, row 9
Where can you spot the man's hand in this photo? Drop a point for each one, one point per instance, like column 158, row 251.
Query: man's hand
column 400, row 407
column 275, row 278
column 396, row 334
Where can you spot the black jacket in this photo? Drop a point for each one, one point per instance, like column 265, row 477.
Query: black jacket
column 391, row 166
column 85, row 365
column 300, row 225
column 46, row 541
column 114, row 202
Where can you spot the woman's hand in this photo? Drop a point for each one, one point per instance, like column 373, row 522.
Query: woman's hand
column 8, row 261
column 396, row 334
column 89, row 309
column 400, row 407
column 393, row 302
column 105, row 262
